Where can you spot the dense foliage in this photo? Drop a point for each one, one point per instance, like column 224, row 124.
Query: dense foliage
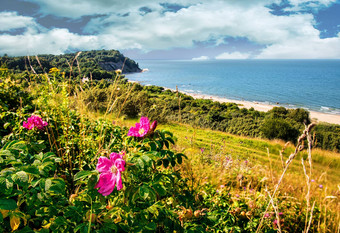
column 167, row 105
column 99, row 64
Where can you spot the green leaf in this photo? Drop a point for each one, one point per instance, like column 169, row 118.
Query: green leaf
column 92, row 181
column 5, row 153
column 153, row 146
column 58, row 186
column 109, row 227
column 19, row 145
column 151, row 226
column 167, row 144
column 165, row 163
column 8, row 204
column 83, row 174
column 6, row 125
column 31, row 170
column 144, row 192
column 159, row 189
column 140, row 163
column 48, row 184
column 22, row 176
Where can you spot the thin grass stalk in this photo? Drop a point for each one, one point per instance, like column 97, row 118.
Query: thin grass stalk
column 281, row 155
column 311, row 217
column 121, row 108
column 270, row 166
column 298, row 148
column 307, row 195
column 276, row 211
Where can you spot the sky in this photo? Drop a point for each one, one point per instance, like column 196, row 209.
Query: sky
column 173, row 29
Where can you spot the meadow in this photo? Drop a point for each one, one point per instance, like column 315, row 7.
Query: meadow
column 75, row 159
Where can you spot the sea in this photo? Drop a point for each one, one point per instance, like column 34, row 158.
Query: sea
column 310, row 84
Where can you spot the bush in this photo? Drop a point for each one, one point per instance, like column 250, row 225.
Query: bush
column 279, row 129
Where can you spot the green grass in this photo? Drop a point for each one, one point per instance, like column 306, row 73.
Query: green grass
column 326, row 164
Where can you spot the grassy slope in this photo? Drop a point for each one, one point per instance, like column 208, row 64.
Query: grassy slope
column 326, row 164
column 217, row 145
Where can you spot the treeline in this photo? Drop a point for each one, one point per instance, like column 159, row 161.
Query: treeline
column 166, row 105
column 96, row 64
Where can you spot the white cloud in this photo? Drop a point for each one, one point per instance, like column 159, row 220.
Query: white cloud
column 234, row 55
column 286, row 35
column 312, row 48
column 55, row 41
column 201, row 58
column 11, row 20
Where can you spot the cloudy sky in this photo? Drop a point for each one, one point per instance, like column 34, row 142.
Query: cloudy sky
column 174, row 29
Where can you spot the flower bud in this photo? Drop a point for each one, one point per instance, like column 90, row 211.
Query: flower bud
column 188, row 213
column 153, row 126
column 197, row 213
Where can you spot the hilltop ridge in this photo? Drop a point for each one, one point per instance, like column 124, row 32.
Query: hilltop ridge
column 99, row 64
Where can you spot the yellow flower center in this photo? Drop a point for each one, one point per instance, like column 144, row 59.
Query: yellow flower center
column 141, row 131
column 114, row 169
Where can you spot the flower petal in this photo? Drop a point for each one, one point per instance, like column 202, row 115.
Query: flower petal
column 114, row 156
column 119, row 181
column 104, row 164
column 106, row 183
column 120, row 165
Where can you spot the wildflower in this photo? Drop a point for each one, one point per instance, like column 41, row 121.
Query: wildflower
column 320, row 186
column 244, row 188
column 280, row 213
column 275, row 222
column 312, row 180
column 267, row 215
column 237, row 195
column 246, row 162
column 141, row 128
column 34, row 122
column 54, row 70
column 153, row 126
column 110, row 170
column 222, row 186
column 202, row 150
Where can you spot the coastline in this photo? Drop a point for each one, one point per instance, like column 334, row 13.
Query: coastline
column 262, row 107
column 315, row 116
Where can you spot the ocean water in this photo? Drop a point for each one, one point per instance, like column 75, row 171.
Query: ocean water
column 310, row 84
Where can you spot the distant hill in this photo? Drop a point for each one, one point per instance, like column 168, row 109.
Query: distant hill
column 98, row 64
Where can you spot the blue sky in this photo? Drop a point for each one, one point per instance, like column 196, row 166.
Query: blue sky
column 174, row 29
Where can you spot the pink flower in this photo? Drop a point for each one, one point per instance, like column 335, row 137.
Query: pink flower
column 110, row 170
column 267, row 215
column 34, row 122
column 141, row 128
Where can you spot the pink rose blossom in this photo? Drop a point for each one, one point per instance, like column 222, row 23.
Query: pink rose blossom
column 34, row 122
column 110, row 170
column 141, row 128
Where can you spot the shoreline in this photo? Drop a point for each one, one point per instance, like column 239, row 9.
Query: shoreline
column 262, row 107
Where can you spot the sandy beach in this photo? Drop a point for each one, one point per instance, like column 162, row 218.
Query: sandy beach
column 315, row 116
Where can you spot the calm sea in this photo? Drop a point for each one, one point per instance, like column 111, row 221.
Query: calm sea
column 311, row 84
